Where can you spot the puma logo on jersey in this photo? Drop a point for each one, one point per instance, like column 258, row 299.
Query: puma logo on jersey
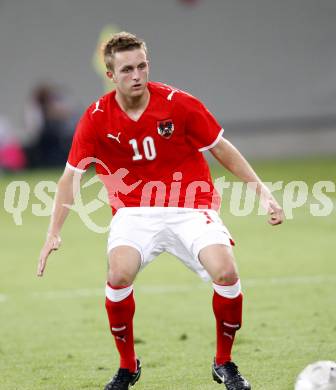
column 170, row 96
column 97, row 108
column 109, row 135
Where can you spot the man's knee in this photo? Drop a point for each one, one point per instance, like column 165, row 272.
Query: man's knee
column 226, row 272
column 226, row 276
column 117, row 276
column 219, row 262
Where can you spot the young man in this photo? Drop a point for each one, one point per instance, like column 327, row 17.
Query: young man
column 146, row 140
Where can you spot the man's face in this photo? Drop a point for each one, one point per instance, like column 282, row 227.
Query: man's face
column 130, row 72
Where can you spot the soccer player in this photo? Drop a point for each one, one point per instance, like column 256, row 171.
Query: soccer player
column 146, row 140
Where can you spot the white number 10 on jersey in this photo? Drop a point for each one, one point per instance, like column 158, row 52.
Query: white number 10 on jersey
column 148, row 148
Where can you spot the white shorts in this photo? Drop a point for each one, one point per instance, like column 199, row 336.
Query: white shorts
column 180, row 231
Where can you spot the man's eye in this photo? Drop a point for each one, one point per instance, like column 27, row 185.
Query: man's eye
column 126, row 70
column 142, row 66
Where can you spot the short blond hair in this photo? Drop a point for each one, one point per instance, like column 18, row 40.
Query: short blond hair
column 122, row 41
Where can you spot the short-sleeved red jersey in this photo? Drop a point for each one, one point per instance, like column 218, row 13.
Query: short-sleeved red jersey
column 156, row 160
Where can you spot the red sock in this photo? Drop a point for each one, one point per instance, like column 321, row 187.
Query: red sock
column 120, row 315
column 228, row 313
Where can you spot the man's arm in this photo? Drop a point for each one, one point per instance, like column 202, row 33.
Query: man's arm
column 232, row 160
column 65, row 193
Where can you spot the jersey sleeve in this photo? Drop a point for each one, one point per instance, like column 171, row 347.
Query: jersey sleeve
column 202, row 128
column 82, row 151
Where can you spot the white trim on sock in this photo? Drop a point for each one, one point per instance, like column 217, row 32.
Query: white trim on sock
column 231, row 292
column 118, row 329
column 117, row 295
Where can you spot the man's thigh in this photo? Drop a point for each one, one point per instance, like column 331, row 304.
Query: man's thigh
column 123, row 265
column 219, row 262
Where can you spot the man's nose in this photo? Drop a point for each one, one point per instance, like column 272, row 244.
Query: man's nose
column 136, row 74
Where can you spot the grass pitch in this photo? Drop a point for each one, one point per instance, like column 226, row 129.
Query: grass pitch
column 54, row 331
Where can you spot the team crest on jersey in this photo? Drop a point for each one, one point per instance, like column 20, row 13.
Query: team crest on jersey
column 165, row 128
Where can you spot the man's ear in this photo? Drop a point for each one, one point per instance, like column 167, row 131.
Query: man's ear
column 110, row 75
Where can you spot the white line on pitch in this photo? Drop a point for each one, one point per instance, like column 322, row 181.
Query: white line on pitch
column 180, row 288
column 3, row 298
column 289, row 280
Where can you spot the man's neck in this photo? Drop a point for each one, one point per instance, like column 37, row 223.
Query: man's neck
column 133, row 104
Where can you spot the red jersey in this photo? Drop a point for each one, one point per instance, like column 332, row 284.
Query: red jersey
column 154, row 161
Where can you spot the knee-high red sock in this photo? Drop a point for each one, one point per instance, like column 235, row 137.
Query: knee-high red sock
column 228, row 314
column 120, row 314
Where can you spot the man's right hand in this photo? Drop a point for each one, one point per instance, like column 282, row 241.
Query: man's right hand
column 52, row 243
